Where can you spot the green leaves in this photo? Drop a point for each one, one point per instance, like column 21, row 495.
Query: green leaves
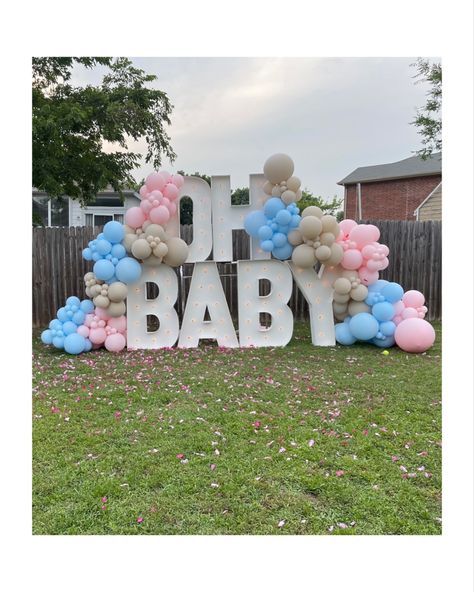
column 428, row 119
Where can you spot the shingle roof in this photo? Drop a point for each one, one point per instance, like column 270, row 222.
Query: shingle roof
column 409, row 167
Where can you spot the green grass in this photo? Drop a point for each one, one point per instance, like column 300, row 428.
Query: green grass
column 111, row 426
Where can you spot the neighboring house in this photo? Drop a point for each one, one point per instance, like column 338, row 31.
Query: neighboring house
column 391, row 191
column 431, row 207
column 69, row 212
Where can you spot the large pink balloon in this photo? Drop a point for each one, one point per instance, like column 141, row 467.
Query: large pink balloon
column 177, row 180
column 413, row 298
column 83, row 330
column 115, row 342
column 171, row 191
column 346, row 226
column 363, row 234
column 119, row 323
column 135, row 217
column 414, row 335
column 352, row 259
column 159, row 215
column 155, row 181
column 409, row 313
column 146, row 207
column 97, row 336
column 143, row 191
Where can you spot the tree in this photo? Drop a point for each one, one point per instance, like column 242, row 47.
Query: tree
column 328, row 207
column 428, row 119
column 71, row 124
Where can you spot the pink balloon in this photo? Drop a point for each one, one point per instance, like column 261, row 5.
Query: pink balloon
column 352, row 259
column 102, row 314
column 83, row 330
column 414, row 335
column 97, row 345
column 409, row 313
column 397, row 319
column 368, row 251
column 155, row 195
column 165, row 202
column 155, row 181
column 88, row 320
column 98, row 335
column 135, row 217
column 172, row 208
column 399, row 307
column 146, row 207
column 171, row 191
column 143, row 191
column 166, row 176
column 346, row 226
column 115, row 342
column 413, row 298
column 364, row 234
column 159, row 215
column 119, row 323
column 177, row 180
column 368, row 277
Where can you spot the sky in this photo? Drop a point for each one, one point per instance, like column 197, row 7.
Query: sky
column 331, row 115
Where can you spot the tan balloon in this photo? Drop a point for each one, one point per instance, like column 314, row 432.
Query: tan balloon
column 342, row 286
column 141, row 249
column 117, row 292
column 357, row 307
column 341, row 298
column 288, row 197
column 340, row 316
column 312, row 211
column 161, row 250
column 327, row 238
column 152, row 261
column 310, row 227
column 299, row 195
column 295, row 238
column 337, row 254
column 278, row 168
column 303, row 256
column 177, row 252
column 276, row 191
column 155, row 230
column 293, row 183
column 128, row 241
column 116, row 309
column 95, row 289
column 360, row 293
column 267, row 187
column 330, row 224
column 323, row 253
column 350, row 275
column 90, row 275
column 101, row 301
column 339, row 308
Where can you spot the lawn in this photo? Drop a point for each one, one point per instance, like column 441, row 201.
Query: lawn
column 295, row 440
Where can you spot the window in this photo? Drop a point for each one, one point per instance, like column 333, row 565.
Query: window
column 59, row 212
column 100, row 219
column 40, row 210
column 51, row 212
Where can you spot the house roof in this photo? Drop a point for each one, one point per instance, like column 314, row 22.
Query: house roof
column 408, row 167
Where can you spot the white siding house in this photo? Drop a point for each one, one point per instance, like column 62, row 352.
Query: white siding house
column 69, row 212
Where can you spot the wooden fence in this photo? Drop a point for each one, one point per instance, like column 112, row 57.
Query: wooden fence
column 59, row 269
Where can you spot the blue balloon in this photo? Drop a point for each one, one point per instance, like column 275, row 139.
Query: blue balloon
column 387, row 342
column 73, row 301
column 47, row 337
column 104, row 247
column 74, row 343
column 69, row 327
column 55, row 324
column 253, row 222
column 283, row 252
column 87, row 306
column 87, row 254
column 58, row 342
column 295, row 221
column 279, row 239
column 79, row 317
column 392, row 292
column 364, row 326
column 377, row 286
column 118, row 251
column 343, row 334
column 283, row 217
column 128, row 270
column 104, row 269
column 265, row 233
column 99, row 236
column 387, row 328
column 112, row 280
column 114, row 231
column 273, row 206
column 383, row 311
column 88, row 345
column 96, row 256
column 62, row 315
column 267, row 246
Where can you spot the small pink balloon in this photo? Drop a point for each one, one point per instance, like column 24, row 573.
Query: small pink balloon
column 88, row 320
column 414, row 335
column 159, row 215
column 166, row 176
column 146, row 207
column 409, row 313
column 155, row 203
column 399, row 307
column 171, row 191
column 143, row 191
column 413, row 298
column 98, row 335
column 397, row 319
column 119, row 323
column 155, row 181
column 101, row 323
column 115, row 342
column 368, row 251
column 156, row 195
column 83, row 330
column 352, row 259
column 346, row 226
column 94, row 324
column 372, row 265
column 363, row 234
column 102, row 314
column 177, row 180
column 135, row 217
column 165, row 202
column 384, row 250
column 368, row 277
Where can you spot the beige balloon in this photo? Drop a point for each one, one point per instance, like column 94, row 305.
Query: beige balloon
column 357, row 307
column 310, row 227
column 312, row 211
column 340, row 316
column 177, row 252
column 152, row 261
column 128, row 241
column 90, row 275
column 360, row 293
column 342, row 286
column 267, row 187
column 337, row 254
column 323, row 253
column 161, row 250
column 278, row 168
column 276, row 191
column 95, row 290
column 288, row 197
column 303, row 256
column 327, row 238
column 341, row 298
column 117, row 292
column 141, row 249
column 101, row 301
column 155, row 230
column 350, row 275
column 330, row 224
column 299, row 195
column 339, row 308
column 295, row 238
column 117, row 309
column 293, row 184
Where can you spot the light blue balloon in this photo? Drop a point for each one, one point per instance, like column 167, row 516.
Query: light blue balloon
column 69, row 327
column 87, row 306
column 283, row 252
column 267, row 246
column 73, row 301
column 47, row 337
column 79, row 317
column 104, row 247
column 88, row 345
column 383, row 311
column 283, row 229
column 87, row 254
column 55, row 325
column 343, row 334
column 114, row 231
column 58, row 342
column 279, row 239
column 387, row 328
column 253, row 222
column 62, row 315
column 103, row 269
column 100, row 236
column 377, row 286
column 364, row 326
column 295, row 221
column 112, row 280
column 265, row 233
column 96, row 256
column 389, row 341
column 392, row 292
column 128, row 270
column 118, row 251
column 74, row 343
column 273, row 206
column 283, row 217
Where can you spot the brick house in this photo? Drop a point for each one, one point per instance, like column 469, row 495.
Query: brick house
column 393, row 191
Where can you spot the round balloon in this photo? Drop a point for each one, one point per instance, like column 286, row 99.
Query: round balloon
column 364, row 326
column 128, row 270
column 74, row 343
column 414, row 335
